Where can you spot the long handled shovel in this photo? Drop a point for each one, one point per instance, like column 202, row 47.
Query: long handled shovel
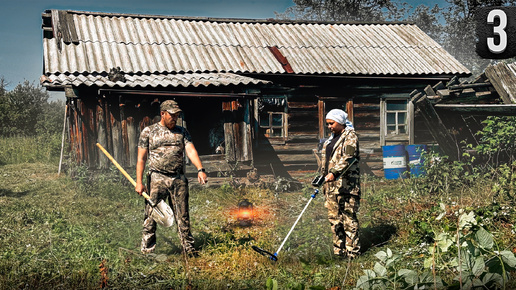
column 317, row 182
column 161, row 212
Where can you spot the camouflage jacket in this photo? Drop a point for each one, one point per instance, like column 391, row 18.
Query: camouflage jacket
column 166, row 147
column 344, row 151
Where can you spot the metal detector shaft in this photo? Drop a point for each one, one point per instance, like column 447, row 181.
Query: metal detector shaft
column 294, row 225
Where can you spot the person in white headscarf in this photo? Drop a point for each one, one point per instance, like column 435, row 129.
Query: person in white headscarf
column 340, row 156
column 340, row 117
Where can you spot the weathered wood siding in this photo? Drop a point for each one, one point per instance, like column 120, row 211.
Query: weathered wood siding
column 116, row 122
column 366, row 121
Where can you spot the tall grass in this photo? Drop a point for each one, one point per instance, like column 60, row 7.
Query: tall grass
column 84, row 233
column 22, row 149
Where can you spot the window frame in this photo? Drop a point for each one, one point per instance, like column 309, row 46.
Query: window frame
column 284, row 126
column 408, row 136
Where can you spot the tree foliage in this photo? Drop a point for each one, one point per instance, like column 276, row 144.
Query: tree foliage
column 459, row 37
column 498, row 139
column 343, row 10
column 26, row 111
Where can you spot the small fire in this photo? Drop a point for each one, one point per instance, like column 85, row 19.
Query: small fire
column 245, row 212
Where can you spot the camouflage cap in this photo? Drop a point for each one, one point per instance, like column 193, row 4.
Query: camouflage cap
column 170, row 106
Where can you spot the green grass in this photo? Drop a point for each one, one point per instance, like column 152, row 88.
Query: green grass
column 56, row 232
column 20, row 149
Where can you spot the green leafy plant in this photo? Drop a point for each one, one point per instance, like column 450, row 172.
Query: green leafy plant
column 498, row 139
column 386, row 275
column 469, row 251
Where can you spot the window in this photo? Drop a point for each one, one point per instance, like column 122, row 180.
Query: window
column 396, row 112
column 272, row 123
column 272, row 117
column 396, row 122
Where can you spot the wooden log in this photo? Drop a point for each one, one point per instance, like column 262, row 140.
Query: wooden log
column 479, row 109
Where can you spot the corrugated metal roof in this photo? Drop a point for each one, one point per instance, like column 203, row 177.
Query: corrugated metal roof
column 95, row 43
column 169, row 80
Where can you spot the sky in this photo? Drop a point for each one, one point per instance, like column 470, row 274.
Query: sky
column 21, row 40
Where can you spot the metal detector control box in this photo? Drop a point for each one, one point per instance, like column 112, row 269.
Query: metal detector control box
column 318, row 181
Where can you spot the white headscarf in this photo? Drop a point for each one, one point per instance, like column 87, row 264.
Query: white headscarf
column 339, row 116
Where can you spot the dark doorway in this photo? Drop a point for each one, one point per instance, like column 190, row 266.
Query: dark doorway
column 203, row 119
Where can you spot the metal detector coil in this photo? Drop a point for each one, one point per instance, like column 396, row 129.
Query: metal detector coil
column 317, row 182
column 265, row 253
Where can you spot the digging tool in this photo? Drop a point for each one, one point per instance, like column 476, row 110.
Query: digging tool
column 316, row 182
column 161, row 212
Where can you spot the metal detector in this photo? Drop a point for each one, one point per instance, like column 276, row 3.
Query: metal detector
column 274, row 256
column 316, row 182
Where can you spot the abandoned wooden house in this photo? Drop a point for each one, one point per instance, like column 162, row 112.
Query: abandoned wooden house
column 254, row 92
column 449, row 113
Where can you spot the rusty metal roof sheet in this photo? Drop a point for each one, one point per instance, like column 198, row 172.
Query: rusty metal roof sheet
column 154, row 81
column 86, row 43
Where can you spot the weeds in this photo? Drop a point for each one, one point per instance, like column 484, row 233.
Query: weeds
column 43, row 148
column 84, row 232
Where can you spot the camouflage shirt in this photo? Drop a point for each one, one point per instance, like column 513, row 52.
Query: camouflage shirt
column 344, row 150
column 166, row 147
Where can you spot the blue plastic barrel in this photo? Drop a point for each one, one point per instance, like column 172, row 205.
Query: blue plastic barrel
column 394, row 161
column 415, row 159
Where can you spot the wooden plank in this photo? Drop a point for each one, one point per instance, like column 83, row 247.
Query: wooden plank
column 438, row 86
column 124, row 161
column 132, row 136
column 116, row 132
column 349, row 110
column 302, row 105
column 479, row 109
column 437, row 129
column 102, row 137
column 444, row 93
column 503, row 80
column 469, row 86
column 84, row 131
column 322, row 121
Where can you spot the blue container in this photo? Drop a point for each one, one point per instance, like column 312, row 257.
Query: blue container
column 394, row 161
column 415, row 159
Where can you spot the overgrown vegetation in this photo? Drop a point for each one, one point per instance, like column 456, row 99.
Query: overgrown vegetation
column 451, row 228
column 31, row 124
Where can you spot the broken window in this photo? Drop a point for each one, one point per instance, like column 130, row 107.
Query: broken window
column 272, row 117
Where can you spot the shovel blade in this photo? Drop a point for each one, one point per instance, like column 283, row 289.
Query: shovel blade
column 163, row 214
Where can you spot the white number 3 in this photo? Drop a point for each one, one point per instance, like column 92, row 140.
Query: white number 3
column 497, row 30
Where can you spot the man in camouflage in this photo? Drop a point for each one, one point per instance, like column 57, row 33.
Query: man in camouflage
column 165, row 144
column 342, row 188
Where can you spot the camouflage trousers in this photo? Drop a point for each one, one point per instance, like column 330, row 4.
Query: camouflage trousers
column 175, row 191
column 342, row 214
